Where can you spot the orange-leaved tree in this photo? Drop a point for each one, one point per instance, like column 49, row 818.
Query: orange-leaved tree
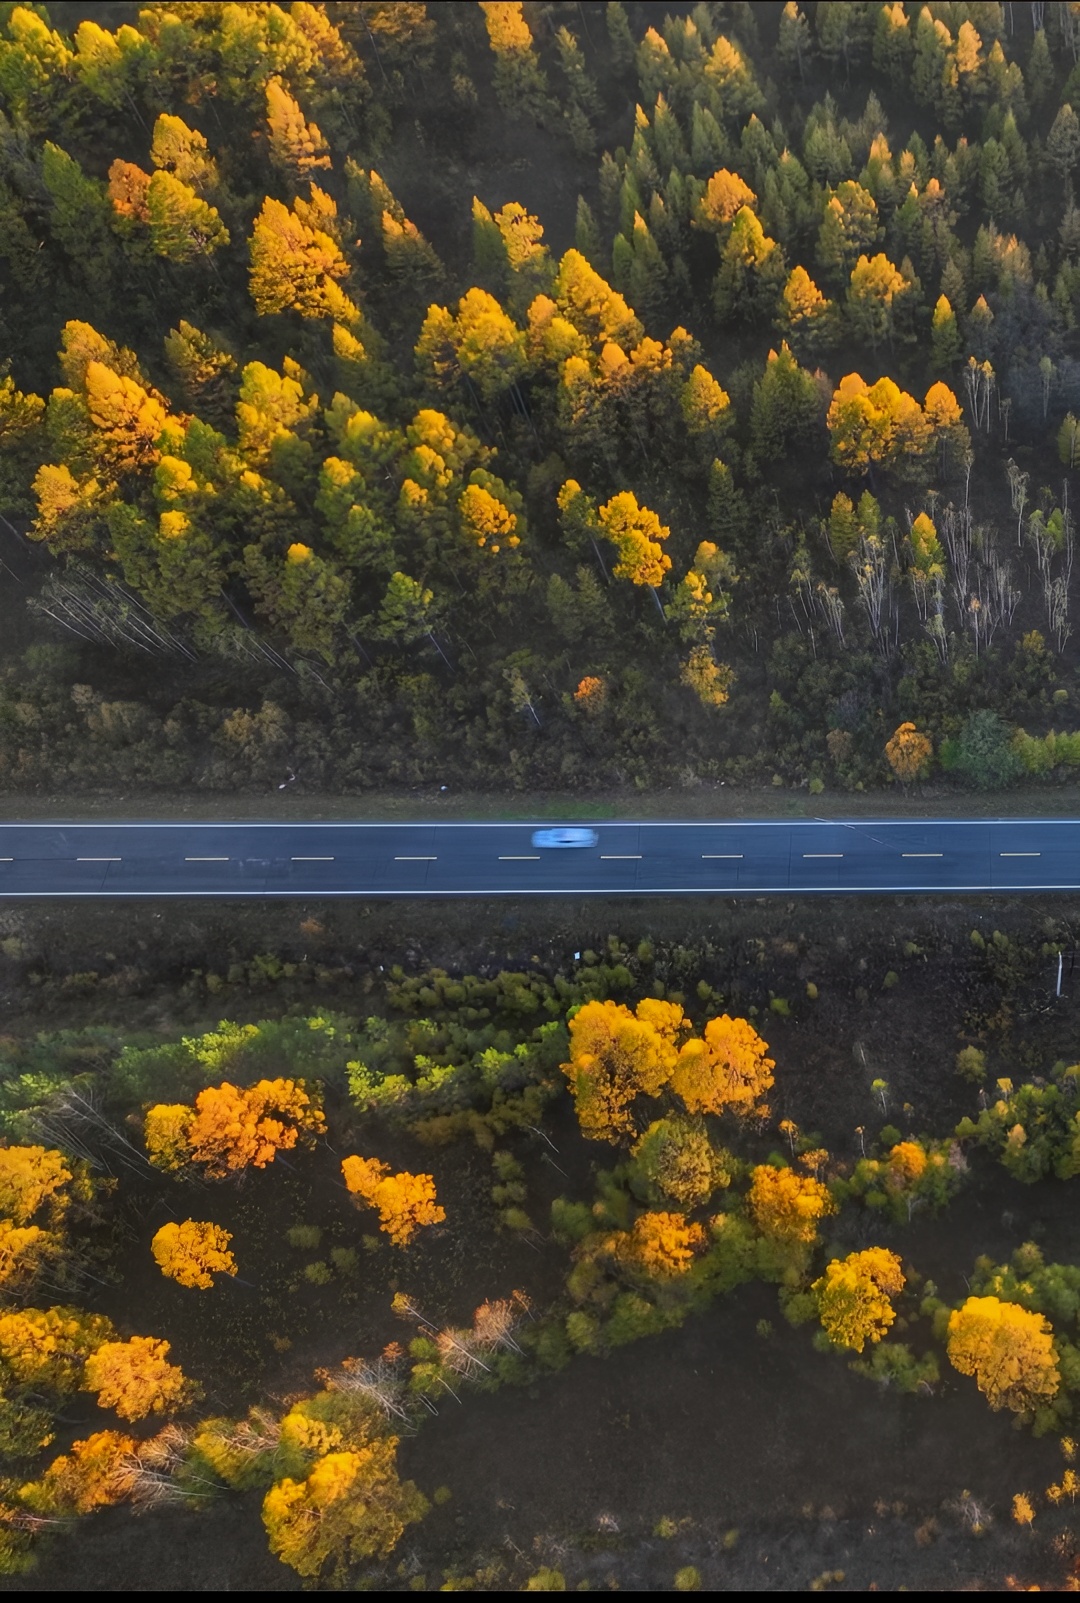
column 616, row 1056
column 660, row 1244
column 725, row 1069
column 94, row 1473
column 352, row 1506
column 405, row 1201
column 30, row 1178
column 230, row 1129
column 1008, row 1349
column 854, row 1295
column 909, row 753
column 193, row 1252
column 135, row 1378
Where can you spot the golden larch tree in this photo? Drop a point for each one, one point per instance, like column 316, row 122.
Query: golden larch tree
column 1008, row 1349
column 135, row 1378
column 127, row 420
column 616, row 1056
column 193, row 1252
column 909, row 753
column 295, row 267
column 726, row 1069
column 725, row 196
column 854, row 1296
column 405, row 1201
column 297, row 146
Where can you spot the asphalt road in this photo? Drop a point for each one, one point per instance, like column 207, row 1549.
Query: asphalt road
column 726, row 859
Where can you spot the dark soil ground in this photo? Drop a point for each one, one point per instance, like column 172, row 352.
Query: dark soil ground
column 774, row 1466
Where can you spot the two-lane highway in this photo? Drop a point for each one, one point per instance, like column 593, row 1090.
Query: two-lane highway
column 723, row 858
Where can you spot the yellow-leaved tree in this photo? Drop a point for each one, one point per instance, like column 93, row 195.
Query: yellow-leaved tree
column 636, row 533
column 48, row 1347
column 854, row 1295
column 787, row 1208
column 231, row 1129
column 135, row 1378
column 30, row 1178
column 351, row 1506
column 875, row 423
column 724, row 197
column 616, row 1056
column 1008, row 1349
column 193, row 1252
column 909, row 753
column 23, row 1251
column 726, row 1069
column 405, row 1201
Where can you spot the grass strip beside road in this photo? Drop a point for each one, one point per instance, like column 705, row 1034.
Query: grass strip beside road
column 296, row 805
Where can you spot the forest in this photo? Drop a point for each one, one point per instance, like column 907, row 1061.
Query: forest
column 324, row 1270
column 538, row 400
column 540, row 397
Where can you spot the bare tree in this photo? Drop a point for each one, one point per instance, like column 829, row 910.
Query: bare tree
column 1018, row 483
column 956, row 535
column 872, row 576
column 377, row 1379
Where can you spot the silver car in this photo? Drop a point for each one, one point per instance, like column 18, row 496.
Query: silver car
column 565, row 837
